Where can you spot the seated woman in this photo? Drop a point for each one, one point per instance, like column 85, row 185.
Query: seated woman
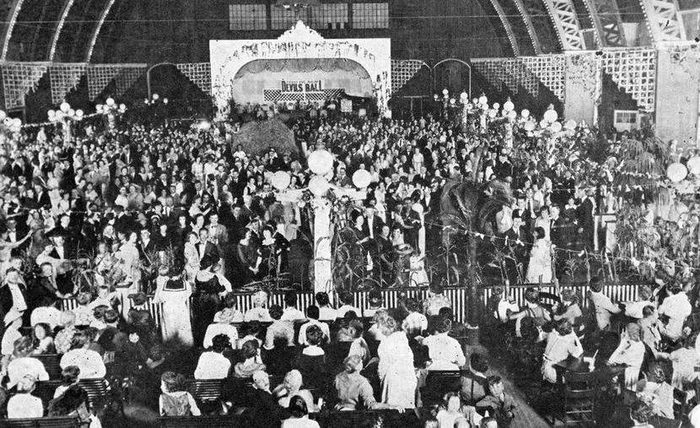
column 561, row 343
column 42, row 339
column 22, row 364
column 299, row 415
column 312, row 360
column 70, row 376
column 90, row 362
column 24, row 404
column 74, row 402
column 533, row 310
column 569, row 308
column 354, row 390
column 175, row 400
column 445, row 352
column 291, row 387
column 213, row 364
column 453, row 414
column 251, row 363
column 630, row 353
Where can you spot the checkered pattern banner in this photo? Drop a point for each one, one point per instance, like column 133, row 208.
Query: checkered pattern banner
column 18, row 79
column 199, row 73
column 634, row 71
column 99, row 77
column 549, row 69
column 276, row 95
column 127, row 77
column 402, row 71
column 64, row 78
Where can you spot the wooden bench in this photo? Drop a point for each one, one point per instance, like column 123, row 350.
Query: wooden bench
column 47, row 422
column 199, row 421
column 52, row 364
column 205, row 390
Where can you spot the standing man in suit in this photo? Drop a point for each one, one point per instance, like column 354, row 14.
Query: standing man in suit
column 586, row 223
column 205, row 246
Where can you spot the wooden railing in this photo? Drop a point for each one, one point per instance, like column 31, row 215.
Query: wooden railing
column 458, row 297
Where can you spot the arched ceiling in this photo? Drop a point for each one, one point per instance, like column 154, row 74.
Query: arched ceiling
column 92, row 30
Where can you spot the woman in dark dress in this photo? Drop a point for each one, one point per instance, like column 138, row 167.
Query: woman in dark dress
column 205, row 299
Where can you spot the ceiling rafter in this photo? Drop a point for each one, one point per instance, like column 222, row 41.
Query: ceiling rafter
column 507, row 27
column 59, row 28
column 566, row 23
column 98, row 28
column 528, row 25
column 14, row 13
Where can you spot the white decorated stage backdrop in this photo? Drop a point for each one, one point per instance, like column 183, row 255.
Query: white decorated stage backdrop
column 299, row 65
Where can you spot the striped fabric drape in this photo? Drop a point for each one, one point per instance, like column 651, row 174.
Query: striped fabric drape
column 458, row 296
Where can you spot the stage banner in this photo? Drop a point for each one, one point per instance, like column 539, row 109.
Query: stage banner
column 64, row 78
column 18, row 79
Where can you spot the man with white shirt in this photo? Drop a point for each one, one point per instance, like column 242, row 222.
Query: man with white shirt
column 325, row 311
column 312, row 314
column 291, row 313
column 602, row 305
column 13, row 300
column 222, row 325
column 347, row 299
column 212, row 364
column 676, row 308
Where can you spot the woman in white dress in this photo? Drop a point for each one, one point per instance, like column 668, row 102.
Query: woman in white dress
column 540, row 268
column 191, row 256
column 174, row 293
column 395, row 369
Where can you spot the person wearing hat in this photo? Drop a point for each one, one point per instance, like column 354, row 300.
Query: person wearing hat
column 630, row 353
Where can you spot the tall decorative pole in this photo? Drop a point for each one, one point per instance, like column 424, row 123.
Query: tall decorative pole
column 321, row 165
column 64, row 117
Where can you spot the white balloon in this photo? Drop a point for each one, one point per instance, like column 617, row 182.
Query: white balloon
column 492, row 113
column 496, row 106
column 318, row 185
column 570, row 124
column 52, row 114
column 122, row 107
column 543, row 123
column 71, row 112
column 155, row 97
column 79, row 113
column 551, row 116
column 525, row 113
column 17, row 122
column 512, row 115
column 694, row 165
column 529, row 126
column 65, row 107
column 483, row 100
column 280, row 180
column 676, row 172
column 320, row 162
column 361, row 178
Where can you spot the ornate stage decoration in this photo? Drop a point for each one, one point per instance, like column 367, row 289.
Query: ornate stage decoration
column 403, row 70
column 688, row 58
column 127, row 77
column 634, row 71
column 565, row 20
column 64, row 78
column 18, row 79
column 522, row 75
column 301, row 42
column 549, row 69
column 198, row 73
column 511, row 72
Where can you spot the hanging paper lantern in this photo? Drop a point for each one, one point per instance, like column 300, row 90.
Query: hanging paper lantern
column 496, row 106
column 280, row 180
column 570, row 124
column 525, row 113
column 492, row 113
column 445, row 92
column 555, row 127
column 529, row 126
column 676, row 172
column 508, row 105
column 65, row 107
column 79, row 113
column 71, row 113
column 320, row 162
column 319, row 185
column 361, row 178
column 551, row 115
column 109, row 101
column 694, row 165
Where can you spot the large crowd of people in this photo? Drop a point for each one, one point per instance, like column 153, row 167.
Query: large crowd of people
column 116, row 218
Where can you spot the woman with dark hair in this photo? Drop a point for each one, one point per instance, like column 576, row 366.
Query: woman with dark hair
column 205, row 299
column 74, row 402
column 250, row 351
column 22, row 364
column 70, row 376
column 299, row 415
column 539, row 270
column 213, row 364
column 42, row 339
column 90, row 362
column 312, row 360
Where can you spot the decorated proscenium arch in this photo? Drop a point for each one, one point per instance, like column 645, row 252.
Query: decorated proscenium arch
column 300, row 42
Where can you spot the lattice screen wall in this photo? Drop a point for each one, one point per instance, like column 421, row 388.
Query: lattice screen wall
column 404, row 70
column 18, row 79
column 198, row 73
column 64, row 78
column 99, row 77
column 489, row 69
column 549, row 70
column 127, row 77
column 634, row 71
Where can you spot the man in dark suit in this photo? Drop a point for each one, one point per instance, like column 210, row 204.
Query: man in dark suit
column 205, row 247
column 13, row 296
column 584, row 215
column 145, row 245
column 42, row 196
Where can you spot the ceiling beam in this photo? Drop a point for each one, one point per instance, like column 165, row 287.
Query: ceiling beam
column 59, row 27
column 664, row 19
column 507, row 27
column 14, row 13
column 528, row 25
column 566, row 23
column 98, row 28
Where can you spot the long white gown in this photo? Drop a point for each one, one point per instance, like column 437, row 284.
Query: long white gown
column 175, row 319
column 396, row 371
column 540, row 263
